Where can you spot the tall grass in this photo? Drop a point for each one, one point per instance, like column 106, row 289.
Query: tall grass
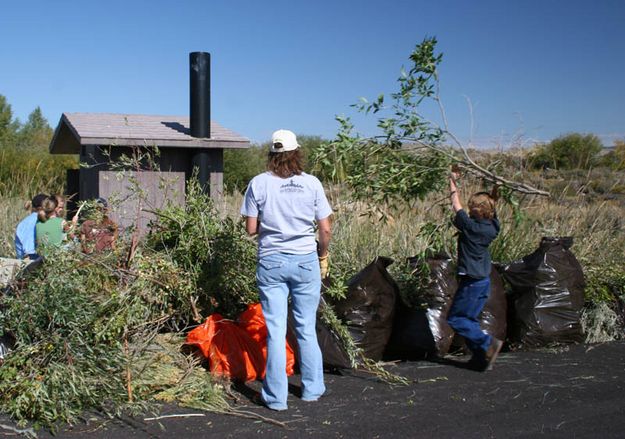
column 11, row 213
column 596, row 227
column 358, row 237
column 359, row 234
column 26, row 171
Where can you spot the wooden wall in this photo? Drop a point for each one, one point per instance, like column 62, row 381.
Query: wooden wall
column 130, row 194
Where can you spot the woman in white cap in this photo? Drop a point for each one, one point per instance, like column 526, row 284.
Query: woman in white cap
column 282, row 206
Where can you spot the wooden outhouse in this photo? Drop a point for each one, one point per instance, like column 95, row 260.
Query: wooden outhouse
column 185, row 145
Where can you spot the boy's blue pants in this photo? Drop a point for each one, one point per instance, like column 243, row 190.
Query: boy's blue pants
column 464, row 313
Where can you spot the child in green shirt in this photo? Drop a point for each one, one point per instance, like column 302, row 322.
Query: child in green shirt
column 49, row 228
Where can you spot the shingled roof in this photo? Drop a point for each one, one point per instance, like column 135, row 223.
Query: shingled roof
column 107, row 129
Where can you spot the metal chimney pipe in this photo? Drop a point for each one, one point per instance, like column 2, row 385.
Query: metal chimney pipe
column 200, row 92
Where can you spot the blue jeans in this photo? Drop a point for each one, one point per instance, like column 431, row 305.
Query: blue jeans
column 464, row 315
column 277, row 275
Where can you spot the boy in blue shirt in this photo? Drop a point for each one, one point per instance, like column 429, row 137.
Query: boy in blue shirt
column 477, row 229
column 25, row 231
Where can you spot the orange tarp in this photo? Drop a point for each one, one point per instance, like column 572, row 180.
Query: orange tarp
column 237, row 351
column 229, row 349
column 253, row 322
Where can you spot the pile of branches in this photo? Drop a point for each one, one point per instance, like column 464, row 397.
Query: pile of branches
column 88, row 334
column 214, row 251
column 103, row 332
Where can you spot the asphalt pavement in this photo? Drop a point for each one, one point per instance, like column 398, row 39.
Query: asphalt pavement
column 570, row 392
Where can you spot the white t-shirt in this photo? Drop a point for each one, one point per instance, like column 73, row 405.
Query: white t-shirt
column 285, row 208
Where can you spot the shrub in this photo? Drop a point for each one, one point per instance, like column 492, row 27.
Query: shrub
column 570, row 151
column 24, row 173
column 605, row 282
column 214, row 250
column 241, row 165
column 601, row 323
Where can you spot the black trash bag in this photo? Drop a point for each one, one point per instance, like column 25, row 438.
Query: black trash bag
column 420, row 332
column 332, row 349
column 412, row 337
column 7, row 343
column 369, row 307
column 493, row 319
column 547, row 295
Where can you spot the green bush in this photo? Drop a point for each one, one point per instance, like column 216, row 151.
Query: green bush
column 614, row 159
column 215, row 252
column 241, row 165
column 605, row 282
column 26, row 166
column 229, row 276
column 27, row 172
column 570, row 151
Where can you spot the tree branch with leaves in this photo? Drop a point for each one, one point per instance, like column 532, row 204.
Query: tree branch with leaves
column 411, row 156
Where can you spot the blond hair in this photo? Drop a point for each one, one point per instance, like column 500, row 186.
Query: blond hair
column 59, row 199
column 482, row 205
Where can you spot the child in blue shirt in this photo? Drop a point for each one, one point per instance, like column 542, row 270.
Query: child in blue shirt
column 25, row 231
column 477, row 229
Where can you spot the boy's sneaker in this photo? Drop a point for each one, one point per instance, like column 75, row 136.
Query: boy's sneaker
column 477, row 363
column 492, row 352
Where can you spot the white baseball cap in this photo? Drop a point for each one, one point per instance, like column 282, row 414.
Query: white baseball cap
column 283, row 140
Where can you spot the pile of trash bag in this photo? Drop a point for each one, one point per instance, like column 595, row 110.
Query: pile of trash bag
column 333, row 350
column 423, row 331
column 543, row 305
column 493, row 318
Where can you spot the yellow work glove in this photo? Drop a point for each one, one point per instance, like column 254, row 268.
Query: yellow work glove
column 324, row 265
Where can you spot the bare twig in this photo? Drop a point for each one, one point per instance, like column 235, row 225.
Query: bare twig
column 437, row 98
column 196, row 314
column 128, row 372
column 251, row 415
column 181, row 415
column 26, row 431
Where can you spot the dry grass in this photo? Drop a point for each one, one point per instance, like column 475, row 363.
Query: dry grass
column 601, row 324
column 596, row 227
column 359, row 235
column 11, row 213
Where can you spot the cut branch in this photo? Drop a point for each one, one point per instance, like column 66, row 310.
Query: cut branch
column 469, row 165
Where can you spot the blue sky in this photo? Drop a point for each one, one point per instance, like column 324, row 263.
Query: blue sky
column 532, row 69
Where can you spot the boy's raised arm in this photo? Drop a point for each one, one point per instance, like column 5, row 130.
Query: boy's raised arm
column 453, row 191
